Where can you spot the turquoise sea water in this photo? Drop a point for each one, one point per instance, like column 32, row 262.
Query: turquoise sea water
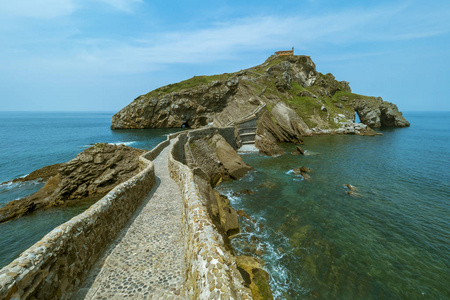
column 32, row 140
column 392, row 241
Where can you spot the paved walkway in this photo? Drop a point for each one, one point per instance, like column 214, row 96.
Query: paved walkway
column 147, row 259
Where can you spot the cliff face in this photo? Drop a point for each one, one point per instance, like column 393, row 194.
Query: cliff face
column 298, row 101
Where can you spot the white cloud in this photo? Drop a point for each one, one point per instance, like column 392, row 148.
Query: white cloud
column 36, row 9
column 124, row 5
column 227, row 40
column 265, row 33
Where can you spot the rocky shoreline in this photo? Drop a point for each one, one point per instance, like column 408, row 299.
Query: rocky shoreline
column 88, row 177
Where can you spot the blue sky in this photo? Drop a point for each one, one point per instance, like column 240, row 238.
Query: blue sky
column 98, row 55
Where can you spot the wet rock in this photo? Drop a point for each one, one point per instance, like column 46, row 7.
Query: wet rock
column 305, row 169
column 243, row 214
column 256, row 278
column 350, row 187
column 305, row 176
column 298, row 151
column 42, row 174
column 89, row 176
column 246, row 192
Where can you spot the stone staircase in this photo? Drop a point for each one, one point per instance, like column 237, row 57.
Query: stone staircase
column 247, row 127
column 247, row 132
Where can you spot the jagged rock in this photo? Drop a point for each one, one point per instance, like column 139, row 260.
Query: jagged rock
column 92, row 174
column 42, row 174
column 218, row 159
column 251, row 269
column 227, row 216
column 375, row 112
column 298, row 150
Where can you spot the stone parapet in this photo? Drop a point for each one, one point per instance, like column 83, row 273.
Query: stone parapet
column 54, row 267
column 212, row 271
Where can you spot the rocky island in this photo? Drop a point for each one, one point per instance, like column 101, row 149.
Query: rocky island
column 291, row 97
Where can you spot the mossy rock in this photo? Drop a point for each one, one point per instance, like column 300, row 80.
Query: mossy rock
column 254, row 276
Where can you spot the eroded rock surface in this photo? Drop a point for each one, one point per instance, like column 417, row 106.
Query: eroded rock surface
column 218, row 159
column 92, row 174
column 375, row 112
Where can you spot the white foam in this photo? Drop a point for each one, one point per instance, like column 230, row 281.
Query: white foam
column 123, row 143
column 248, row 148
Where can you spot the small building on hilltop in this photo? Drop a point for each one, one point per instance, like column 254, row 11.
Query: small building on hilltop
column 285, row 52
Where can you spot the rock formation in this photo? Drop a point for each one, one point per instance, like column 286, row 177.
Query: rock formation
column 89, row 176
column 294, row 98
column 218, row 160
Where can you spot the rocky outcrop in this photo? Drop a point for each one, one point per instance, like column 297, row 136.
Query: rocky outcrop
column 255, row 277
column 375, row 112
column 89, row 176
column 218, row 160
column 42, row 174
column 195, row 102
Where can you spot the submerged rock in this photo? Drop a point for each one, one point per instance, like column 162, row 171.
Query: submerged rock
column 350, row 187
column 298, row 151
column 89, row 176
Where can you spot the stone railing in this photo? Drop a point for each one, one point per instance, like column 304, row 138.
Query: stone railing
column 245, row 118
column 55, row 266
column 212, row 271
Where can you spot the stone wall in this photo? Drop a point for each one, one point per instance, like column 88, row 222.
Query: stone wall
column 55, row 266
column 212, row 271
column 228, row 133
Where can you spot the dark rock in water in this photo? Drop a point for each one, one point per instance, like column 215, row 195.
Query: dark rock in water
column 351, row 190
column 305, row 176
column 302, row 171
column 91, row 175
column 305, row 169
column 242, row 213
column 246, row 192
column 298, row 151
column 350, row 187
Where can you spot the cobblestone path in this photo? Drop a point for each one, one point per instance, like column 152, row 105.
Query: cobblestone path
column 147, row 259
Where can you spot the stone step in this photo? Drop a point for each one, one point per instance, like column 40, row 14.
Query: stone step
column 247, row 134
column 248, row 143
column 247, row 129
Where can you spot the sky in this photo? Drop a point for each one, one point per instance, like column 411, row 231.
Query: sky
column 99, row 55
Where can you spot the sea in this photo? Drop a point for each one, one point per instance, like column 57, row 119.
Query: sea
column 389, row 238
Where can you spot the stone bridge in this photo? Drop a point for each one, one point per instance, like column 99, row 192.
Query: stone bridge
column 150, row 238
